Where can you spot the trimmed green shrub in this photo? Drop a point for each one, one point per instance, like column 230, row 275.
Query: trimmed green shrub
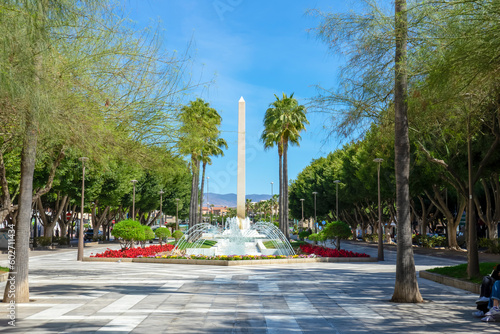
column 148, row 234
column 304, row 234
column 371, row 237
column 317, row 237
column 438, row 241
column 129, row 231
column 162, row 233
column 43, row 241
column 314, row 237
column 493, row 245
column 337, row 230
column 429, row 242
column 177, row 235
column 60, row 240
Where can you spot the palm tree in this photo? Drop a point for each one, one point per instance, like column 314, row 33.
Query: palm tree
column 213, row 148
column 199, row 125
column 248, row 206
column 274, row 202
column 283, row 122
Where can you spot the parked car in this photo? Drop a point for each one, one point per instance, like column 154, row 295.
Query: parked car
column 89, row 234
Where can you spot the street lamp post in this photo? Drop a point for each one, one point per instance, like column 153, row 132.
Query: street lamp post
column 272, row 202
column 133, row 199
column 337, row 197
column 315, row 226
column 380, row 241
column 208, row 208
column 302, row 202
column 177, row 215
column 80, row 230
column 161, row 204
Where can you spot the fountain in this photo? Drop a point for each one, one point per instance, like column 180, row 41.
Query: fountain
column 231, row 240
column 239, row 236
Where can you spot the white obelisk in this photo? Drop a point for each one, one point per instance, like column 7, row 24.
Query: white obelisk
column 240, row 194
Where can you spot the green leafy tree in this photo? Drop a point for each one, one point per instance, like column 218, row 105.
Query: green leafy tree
column 29, row 87
column 146, row 235
column 318, row 238
column 177, row 235
column 129, row 231
column 162, row 233
column 337, row 230
column 376, row 71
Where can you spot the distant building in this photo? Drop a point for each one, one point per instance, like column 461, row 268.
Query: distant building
column 215, row 210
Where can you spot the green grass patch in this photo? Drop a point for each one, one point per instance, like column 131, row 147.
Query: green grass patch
column 296, row 244
column 460, row 271
column 3, row 269
column 269, row 244
column 206, row 244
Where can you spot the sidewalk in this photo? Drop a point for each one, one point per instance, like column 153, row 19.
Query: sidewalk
column 87, row 297
column 436, row 252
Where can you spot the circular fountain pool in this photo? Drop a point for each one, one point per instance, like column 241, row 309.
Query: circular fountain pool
column 237, row 237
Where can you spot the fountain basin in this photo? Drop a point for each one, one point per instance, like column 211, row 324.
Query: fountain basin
column 231, row 240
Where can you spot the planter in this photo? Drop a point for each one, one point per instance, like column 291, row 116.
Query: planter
column 234, row 262
column 450, row 281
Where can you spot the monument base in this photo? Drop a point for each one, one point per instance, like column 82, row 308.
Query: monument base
column 243, row 223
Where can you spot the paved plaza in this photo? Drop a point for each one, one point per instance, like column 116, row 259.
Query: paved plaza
column 87, row 297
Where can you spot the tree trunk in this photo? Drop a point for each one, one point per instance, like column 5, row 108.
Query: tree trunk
column 285, row 191
column 194, row 192
column 17, row 287
column 452, row 222
column 201, row 192
column 472, row 251
column 280, row 186
column 406, row 287
column 489, row 216
column 4, row 186
column 43, row 217
column 59, row 212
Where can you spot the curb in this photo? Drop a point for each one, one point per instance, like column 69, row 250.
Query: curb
column 450, row 281
column 234, row 263
column 4, row 276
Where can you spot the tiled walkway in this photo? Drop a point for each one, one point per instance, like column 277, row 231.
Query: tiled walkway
column 88, row 297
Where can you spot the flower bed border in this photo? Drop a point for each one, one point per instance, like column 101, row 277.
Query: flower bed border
column 232, row 262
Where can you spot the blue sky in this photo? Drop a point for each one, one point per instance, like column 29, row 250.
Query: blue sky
column 254, row 49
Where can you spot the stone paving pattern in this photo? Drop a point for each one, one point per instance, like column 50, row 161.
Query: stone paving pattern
column 120, row 297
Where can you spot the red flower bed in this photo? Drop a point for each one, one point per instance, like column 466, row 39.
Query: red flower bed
column 136, row 252
column 329, row 252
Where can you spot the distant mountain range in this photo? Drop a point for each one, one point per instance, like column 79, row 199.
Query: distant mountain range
column 229, row 200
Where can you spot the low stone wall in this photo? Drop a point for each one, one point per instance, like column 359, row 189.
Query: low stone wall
column 450, row 281
column 233, row 263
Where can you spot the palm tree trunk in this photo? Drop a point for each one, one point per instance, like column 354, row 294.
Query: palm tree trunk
column 201, row 192
column 406, row 286
column 280, row 181
column 194, row 191
column 285, row 191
